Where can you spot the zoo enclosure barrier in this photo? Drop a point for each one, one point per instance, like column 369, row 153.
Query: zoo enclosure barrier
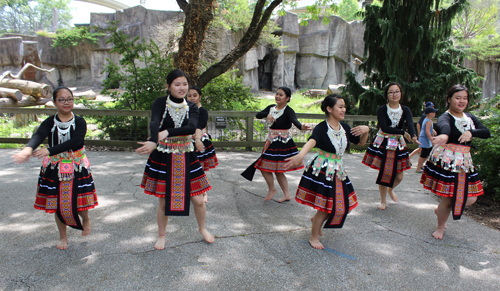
column 234, row 129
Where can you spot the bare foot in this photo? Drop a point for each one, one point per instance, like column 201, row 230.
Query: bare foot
column 63, row 244
column 285, row 199
column 436, row 212
column 207, row 236
column 316, row 244
column 381, row 206
column 205, row 197
column 320, row 231
column 86, row 227
column 160, row 243
column 438, row 234
column 270, row 195
column 393, row 195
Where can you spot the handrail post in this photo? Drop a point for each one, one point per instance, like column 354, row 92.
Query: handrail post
column 149, row 122
column 249, row 134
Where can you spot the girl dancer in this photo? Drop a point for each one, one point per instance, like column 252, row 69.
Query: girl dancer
column 324, row 184
column 204, row 147
column 449, row 172
column 65, row 185
column 173, row 172
column 279, row 144
column 387, row 152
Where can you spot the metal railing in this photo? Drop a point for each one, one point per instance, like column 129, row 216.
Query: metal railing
column 243, row 130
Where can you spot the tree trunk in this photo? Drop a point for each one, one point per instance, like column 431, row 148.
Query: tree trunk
column 198, row 15
column 12, row 93
column 26, row 101
column 29, row 88
column 259, row 21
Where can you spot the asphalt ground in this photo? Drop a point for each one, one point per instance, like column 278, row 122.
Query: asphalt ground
column 259, row 245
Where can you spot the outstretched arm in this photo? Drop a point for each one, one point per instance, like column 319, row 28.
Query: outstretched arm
column 296, row 160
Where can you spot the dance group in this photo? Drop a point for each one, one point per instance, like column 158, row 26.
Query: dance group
column 180, row 152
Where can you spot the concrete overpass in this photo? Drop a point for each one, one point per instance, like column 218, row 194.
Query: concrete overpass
column 117, row 5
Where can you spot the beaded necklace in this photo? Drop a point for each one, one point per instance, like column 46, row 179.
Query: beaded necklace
column 63, row 128
column 464, row 123
column 338, row 139
column 177, row 111
column 394, row 115
column 275, row 113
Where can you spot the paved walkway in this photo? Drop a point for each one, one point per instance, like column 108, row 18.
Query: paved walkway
column 259, row 246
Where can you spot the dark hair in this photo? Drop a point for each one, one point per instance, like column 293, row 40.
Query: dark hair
column 454, row 89
column 196, row 88
column 176, row 74
column 386, row 92
column 56, row 90
column 330, row 101
column 288, row 92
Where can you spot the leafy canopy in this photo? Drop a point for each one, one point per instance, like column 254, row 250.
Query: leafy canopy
column 27, row 17
column 408, row 41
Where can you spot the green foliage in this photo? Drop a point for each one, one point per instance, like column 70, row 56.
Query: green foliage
column 321, row 8
column 349, row 10
column 236, row 15
column 486, row 50
column 476, row 20
column 486, row 157
column 141, row 73
column 227, row 92
column 407, row 41
column 74, row 36
column 27, row 17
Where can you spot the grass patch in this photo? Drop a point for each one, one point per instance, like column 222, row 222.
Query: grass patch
column 297, row 103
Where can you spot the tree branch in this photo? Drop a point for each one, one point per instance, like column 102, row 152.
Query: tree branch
column 182, row 4
column 246, row 43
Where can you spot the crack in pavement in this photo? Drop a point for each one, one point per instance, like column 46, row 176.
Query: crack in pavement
column 423, row 240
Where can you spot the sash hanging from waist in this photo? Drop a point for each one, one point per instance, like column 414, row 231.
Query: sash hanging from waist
column 334, row 169
column 67, row 201
column 281, row 135
column 176, row 144
column 330, row 163
column 393, row 141
column 178, row 202
column 456, row 159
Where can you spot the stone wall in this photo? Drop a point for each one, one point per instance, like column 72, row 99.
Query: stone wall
column 312, row 56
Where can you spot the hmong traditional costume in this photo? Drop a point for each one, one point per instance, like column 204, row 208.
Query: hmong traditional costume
column 208, row 158
column 279, row 144
column 449, row 171
column 387, row 152
column 65, row 185
column 324, row 184
column 173, row 171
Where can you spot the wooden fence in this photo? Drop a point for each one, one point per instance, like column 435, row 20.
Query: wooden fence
column 249, row 116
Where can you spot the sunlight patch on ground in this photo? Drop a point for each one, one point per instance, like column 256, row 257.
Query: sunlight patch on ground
column 284, row 228
column 138, row 241
column 103, row 202
column 123, row 214
column 18, row 214
column 198, row 276
column 484, row 273
column 18, row 227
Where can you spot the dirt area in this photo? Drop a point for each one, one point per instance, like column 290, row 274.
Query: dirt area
column 485, row 211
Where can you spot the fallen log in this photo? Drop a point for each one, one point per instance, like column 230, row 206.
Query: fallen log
column 89, row 95
column 25, row 102
column 28, row 88
column 12, row 93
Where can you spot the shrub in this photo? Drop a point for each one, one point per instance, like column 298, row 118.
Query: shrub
column 487, row 154
column 227, row 92
column 142, row 74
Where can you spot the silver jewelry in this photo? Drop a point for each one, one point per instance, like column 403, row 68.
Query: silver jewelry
column 63, row 128
column 177, row 111
column 338, row 139
column 275, row 113
column 464, row 123
column 394, row 115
